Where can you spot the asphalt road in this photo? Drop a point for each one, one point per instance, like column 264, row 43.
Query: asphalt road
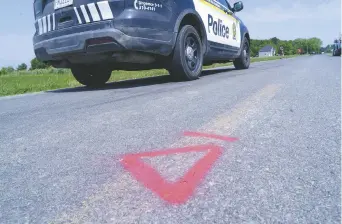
column 62, row 153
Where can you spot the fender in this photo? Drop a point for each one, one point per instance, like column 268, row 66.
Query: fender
column 201, row 24
column 244, row 31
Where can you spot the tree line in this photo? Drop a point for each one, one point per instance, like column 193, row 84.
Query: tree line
column 35, row 64
column 290, row 47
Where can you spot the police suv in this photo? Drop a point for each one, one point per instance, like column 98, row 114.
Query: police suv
column 95, row 37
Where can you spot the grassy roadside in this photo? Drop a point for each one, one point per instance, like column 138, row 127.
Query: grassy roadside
column 49, row 79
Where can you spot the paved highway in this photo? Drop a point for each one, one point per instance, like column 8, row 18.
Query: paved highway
column 261, row 146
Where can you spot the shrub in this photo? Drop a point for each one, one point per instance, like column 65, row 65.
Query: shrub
column 22, row 67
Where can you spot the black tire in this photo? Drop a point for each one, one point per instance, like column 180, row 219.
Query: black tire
column 91, row 75
column 244, row 60
column 187, row 58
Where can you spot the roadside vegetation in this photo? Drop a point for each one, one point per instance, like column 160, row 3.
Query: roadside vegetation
column 40, row 76
column 18, row 82
column 297, row 46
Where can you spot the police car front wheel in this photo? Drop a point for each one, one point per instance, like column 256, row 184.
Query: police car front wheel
column 243, row 61
column 91, row 75
column 187, row 57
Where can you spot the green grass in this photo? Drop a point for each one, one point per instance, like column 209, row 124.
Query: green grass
column 49, row 79
column 252, row 60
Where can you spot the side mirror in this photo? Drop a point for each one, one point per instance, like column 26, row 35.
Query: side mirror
column 238, row 6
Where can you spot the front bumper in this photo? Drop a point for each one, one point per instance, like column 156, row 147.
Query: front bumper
column 73, row 41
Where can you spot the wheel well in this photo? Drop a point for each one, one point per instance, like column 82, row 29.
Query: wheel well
column 191, row 19
column 249, row 40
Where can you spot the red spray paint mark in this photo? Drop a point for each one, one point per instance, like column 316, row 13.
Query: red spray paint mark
column 173, row 192
column 220, row 137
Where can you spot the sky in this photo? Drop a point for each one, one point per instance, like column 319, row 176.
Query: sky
column 265, row 19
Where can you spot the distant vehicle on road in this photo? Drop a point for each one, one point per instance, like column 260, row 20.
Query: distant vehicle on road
column 93, row 38
column 300, row 51
column 337, row 48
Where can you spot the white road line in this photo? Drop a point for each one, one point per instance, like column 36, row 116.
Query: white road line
column 93, row 11
column 78, row 16
column 105, row 10
column 85, row 14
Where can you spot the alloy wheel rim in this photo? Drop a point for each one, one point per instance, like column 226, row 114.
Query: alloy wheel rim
column 191, row 52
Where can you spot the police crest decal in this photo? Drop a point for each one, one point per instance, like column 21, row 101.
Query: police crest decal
column 234, row 31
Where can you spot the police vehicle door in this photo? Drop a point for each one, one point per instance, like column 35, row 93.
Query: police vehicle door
column 223, row 29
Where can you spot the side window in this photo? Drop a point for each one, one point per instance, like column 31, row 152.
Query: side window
column 222, row 4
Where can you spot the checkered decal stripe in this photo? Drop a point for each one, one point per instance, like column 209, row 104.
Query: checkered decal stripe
column 88, row 13
column 46, row 23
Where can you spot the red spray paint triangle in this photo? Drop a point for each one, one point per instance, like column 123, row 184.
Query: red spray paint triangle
column 177, row 192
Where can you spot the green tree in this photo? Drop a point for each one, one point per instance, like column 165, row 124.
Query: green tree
column 2, row 71
column 328, row 48
column 22, row 67
column 37, row 64
column 275, row 41
column 10, row 69
column 289, row 46
column 6, row 70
